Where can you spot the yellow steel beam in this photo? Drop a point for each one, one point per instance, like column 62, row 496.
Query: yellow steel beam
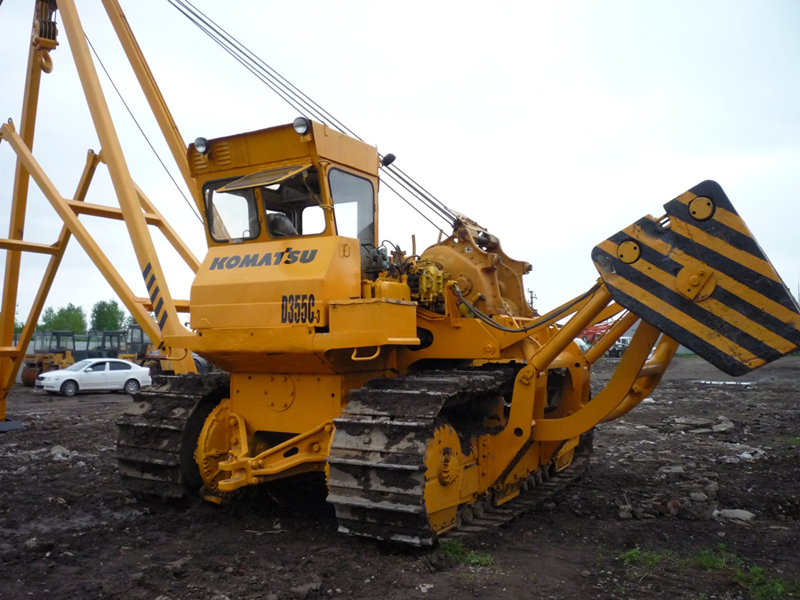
column 80, row 232
column 153, row 217
column 106, row 212
column 92, row 161
column 612, row 395
column 149, row 263
column 169, row 233
column 609, row 337
column 649, row 376
column 20, row 246
column 599, row 300
column 38, row 60
column 153, row 94
column 182, row 306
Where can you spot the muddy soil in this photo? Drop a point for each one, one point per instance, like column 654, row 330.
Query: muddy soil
column 706, row 473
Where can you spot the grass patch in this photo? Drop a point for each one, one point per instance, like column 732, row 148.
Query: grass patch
column 716, row 560
column 757, row 582
column 460, row 555
column 794, row 440
column 761, row 586
column 642, row 558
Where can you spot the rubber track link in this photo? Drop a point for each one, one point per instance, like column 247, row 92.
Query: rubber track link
column 377, row 458
column 151, row 433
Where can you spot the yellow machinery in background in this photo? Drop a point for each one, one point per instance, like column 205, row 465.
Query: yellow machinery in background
column 51, row 350
column 423, row 387
column 58, row 349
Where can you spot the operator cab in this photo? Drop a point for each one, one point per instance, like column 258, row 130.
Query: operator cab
column 289, row 202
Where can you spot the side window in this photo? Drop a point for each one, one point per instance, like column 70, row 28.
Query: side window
column 115, row 366
column 231, row 215
column 353, row 206
column 98, row 367
column 313, row 219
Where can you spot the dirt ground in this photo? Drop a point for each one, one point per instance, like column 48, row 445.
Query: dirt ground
column 695, row 494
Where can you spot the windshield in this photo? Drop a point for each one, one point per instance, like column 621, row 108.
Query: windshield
column 42, row 342
column 64, row 342
column 290, row 198
column 232, row 215
column 79, row 365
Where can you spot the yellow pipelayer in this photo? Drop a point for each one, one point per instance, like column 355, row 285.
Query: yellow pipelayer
column 424, row 386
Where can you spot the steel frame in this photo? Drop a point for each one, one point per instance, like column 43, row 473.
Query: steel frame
column 136, row 210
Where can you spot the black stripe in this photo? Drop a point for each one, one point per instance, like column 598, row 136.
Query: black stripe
column 719, row 231
column 146, row 271
column 652, row 229
column 150, row 283
column 785, row 330
column 162, row 321
column 696, row 344
column 154, row 294
column 159, row 305
column 688, row 307
column 774, row 290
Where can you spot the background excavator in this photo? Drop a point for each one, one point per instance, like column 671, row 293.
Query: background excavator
column 423, row 386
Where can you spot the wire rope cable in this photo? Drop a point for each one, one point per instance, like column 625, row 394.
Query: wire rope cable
column 302, row 103
column 130, row 112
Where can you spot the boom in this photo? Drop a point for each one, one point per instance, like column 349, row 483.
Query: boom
column 136, row 210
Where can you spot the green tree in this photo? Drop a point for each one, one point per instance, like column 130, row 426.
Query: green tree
column 67, row 318
column 130, row 322
column 108, row 315
column 18, row 325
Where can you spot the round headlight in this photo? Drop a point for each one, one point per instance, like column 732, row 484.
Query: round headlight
column 301, row 125
column 201, row 145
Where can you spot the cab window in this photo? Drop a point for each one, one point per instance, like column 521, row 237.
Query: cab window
column 231, row 215
column 353, row 206
column 293, row 206
column 290, row 197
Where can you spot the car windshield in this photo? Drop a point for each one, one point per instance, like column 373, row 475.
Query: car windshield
column 79, row 365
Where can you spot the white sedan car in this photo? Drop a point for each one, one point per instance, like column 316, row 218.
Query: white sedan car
column 95, row 374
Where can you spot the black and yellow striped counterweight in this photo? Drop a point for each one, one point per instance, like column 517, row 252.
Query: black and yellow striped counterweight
column 699, row 275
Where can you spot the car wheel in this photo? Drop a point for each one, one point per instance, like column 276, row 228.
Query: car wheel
column 131, row 386
column 69, row 388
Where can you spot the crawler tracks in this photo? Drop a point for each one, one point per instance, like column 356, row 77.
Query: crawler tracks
column 158, row 434
column 378, row 459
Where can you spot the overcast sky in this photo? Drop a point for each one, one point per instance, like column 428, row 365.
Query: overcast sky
column 553, row 124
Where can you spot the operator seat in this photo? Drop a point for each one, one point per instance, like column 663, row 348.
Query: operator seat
column 280, row 225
